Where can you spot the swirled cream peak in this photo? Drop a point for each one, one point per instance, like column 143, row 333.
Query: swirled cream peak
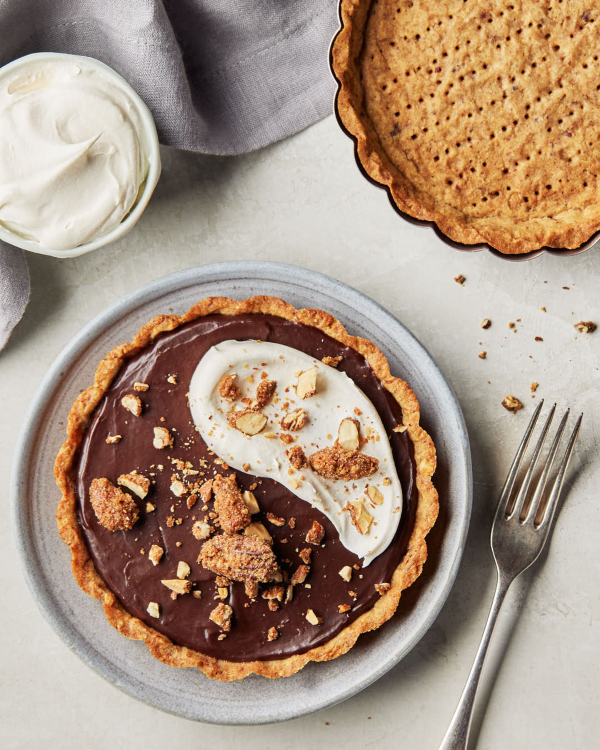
column 365, row 511
column 71, row 164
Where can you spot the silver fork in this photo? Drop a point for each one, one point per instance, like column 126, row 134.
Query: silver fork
column 519, row 532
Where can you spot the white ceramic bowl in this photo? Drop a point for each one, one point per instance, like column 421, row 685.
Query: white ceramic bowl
column 148, row 142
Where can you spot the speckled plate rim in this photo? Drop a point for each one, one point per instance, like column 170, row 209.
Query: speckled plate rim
column 561, row 252
column 318, row 685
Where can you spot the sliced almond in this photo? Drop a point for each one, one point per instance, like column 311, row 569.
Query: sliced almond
column 374, row 495
column 250, row 422
column 257, row 529
column 346, row 573
column 360, row 516
column 307, row 383
column 251, row 502
column 183, row 569
column 137, row 483
column 177, row 585
column 348, row 437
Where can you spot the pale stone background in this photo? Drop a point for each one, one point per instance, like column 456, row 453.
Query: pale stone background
column 304, row 201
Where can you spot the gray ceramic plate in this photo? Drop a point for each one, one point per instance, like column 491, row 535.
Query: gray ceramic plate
column 80, row 621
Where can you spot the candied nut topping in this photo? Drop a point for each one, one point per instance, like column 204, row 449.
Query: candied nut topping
column 162, row 438
column 153, row 609
column 348, row 434
column 346, row 573
column 305, row 554
column 240, row 558
column 264, row 392
column 382, row 588
column 137, row 483
column 251, row 502
column 275, row 520
column 359, row 515
column 512, row 404
column 273, row 634
column 332, row 361
column 202, row 530
column 133, row 404
column 221, row 615
column 232, row 511
column 114, row 509
column 374, row 495
column 251, row 589
column 140, row 387
column 274, row 592
column 228, row 389
column 112, row 439
column 312, row 618
column 300, row 575
column 584, row 327
column 336, row 463
column 294, row 420
column 177, row 585
column 257, row 529
column 155, row 554
column 183, row 569
column 315, row 534
column 307, row 383
column 296, row 457
column 248, row 421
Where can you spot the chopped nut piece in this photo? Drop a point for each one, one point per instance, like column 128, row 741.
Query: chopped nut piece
column 294, row 420
column 132, row 403
column 315, row 533
column 150, row 507
column 273, row 634
column 400, row 428
column 247, row 421
column 273, row 605
column 307, row 383
column 289, row 594
column 296, row 457
column 512, row 404
column 460, row 279
column 360, row 516
column 153, row 609
column 232, row 511
column 251, row 502
column 374, row 495
column 137, row 483
column 140, row 386
column 346, row 573
column 344, row 608
column 348, row 434
column 584, row 327
column 264, row 392
column 183, row 569
column 533, row 387
column 202, row 530
column 228, row 388
column 206, row 490
column 240, row 558
column 222, row 581
column 221, row 615
column 251, row 589
column 197, row 594
column 270, row 435
column 305, row 554
column 177, row 585
column 114, row 509
column 172, row 379
column 286, row 438
column 223, row 592
column 312, row 618
column 257, row 529
column 178, row 488
column 112, row 439
column 275, row 520
column 300, row 575
column 336, row 463
column 482, row 355
column 332, row 361
column 274, row 592
column 162, row 438
column 538, row 338
column 382, row 588
column 486, row 323
column 155, row 554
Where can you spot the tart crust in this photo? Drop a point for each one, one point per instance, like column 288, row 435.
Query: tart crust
column 476, row 117
column 158, row 644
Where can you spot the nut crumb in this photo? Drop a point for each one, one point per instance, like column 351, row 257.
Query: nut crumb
column 275, row 520
column 312, row 618
column 183, row 569
column 177, row 585
column 201, row 530
column 162, row 438
column 227, row 387
column 512, row 404
column 486, row 323
column 296, row 457
column 315, row 534
column 346, row 573
column 153, row 609
column 155, row 554
column 294, row 420
column 300, row 575
column 332, row 361
column 140, row 387
column 482, row 355
column 221, row 615
column 382, row 588
column 264, row 392
column 112, row 439
column 344, row 608
column 460, row 279
column 584, row 327
column 533, row 387
column 273, row 634
column 305, row 555
column 133, row 404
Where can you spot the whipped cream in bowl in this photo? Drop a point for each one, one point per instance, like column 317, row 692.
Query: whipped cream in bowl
column 79, row 154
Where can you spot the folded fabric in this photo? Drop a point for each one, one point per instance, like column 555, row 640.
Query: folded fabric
column 220, row 76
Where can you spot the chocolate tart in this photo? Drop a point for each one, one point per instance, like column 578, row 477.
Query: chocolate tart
column 483, row 119
column 271, row 638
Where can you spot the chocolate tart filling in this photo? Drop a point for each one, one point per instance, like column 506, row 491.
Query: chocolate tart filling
column 132, row 577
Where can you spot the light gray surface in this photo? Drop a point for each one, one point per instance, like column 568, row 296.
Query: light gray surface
column 303, row 201
column 80, row 621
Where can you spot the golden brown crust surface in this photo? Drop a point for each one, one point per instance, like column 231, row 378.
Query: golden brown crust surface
column 159, row 645
column 482, row 118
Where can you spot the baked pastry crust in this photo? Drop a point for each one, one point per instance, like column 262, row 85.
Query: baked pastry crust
column 483, row 119
column 158, row 644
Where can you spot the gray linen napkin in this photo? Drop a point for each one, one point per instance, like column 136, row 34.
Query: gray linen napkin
column 220, row 76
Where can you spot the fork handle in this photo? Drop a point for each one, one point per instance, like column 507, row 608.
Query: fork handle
column 457, row 736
